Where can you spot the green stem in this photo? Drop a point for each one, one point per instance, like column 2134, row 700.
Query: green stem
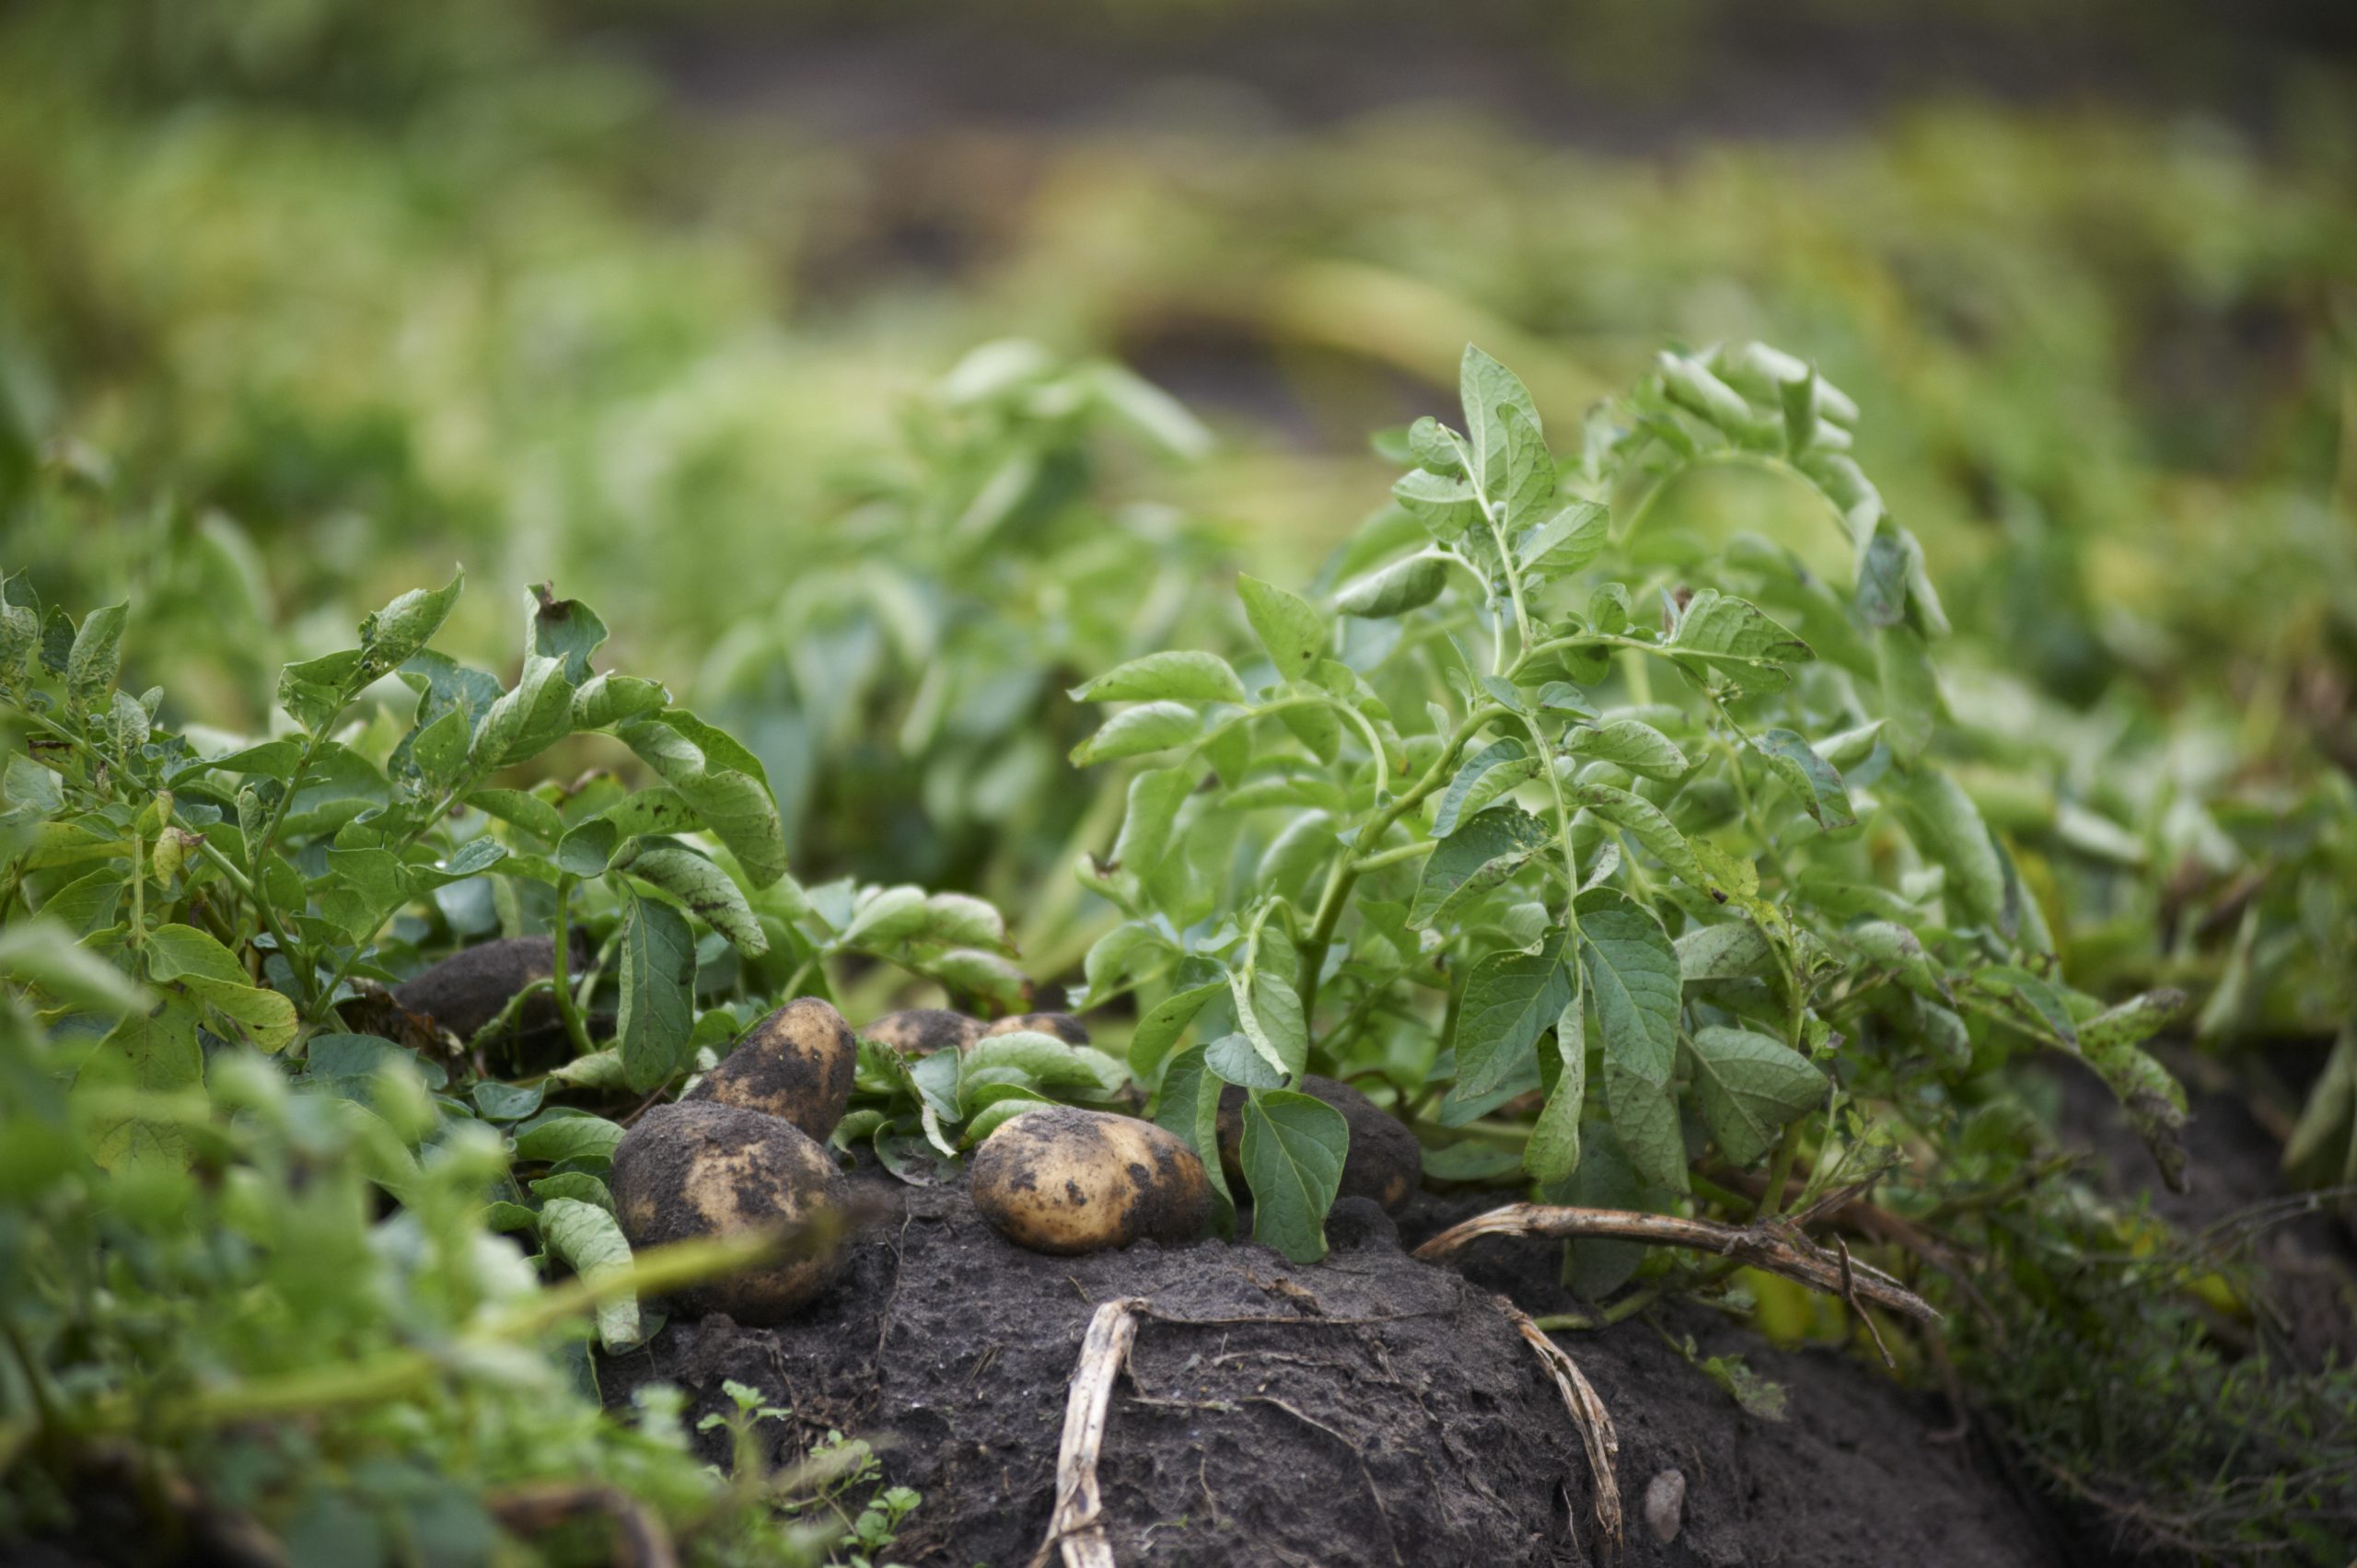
column 560, row 955
column 1780, row 1172
column 1562, row 823
column 1392, row 856
column 258, row 850
column 1344, row 875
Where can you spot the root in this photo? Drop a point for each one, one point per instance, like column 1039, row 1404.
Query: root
column 1595, row 1423
column 1779, row 1249
column 1077, row 1528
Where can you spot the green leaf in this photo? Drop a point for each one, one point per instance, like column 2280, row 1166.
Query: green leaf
column 578, row 1185
column 508, row 1102
column 885, row 916
column 1901, row 951
column 1643, row 821
column 2131, row 1023
column 1734, row 950
column 192, row 958
column 1628, row 743
column 527, row 720
column 1479, row 855
column 1912, row 701
column 568, row 1137
column 1644, row 1119
column 1293, row 633
column 1722, row 641
column 315, row 691
column 723, row 783
column 705, row 887
column 986, row 977
column 1293, row 1153
column 1486, row 389
column 565, row 630
column 1749, row 1087
column 1633, row 981
column 97, row 658
column 586, row 849
column 1166, row 1021
column 1565, row 543
column 41, row 953
column 1812, row 779
column 964, row 921
column 154, row 1052
column 1188, row 1108
column 1395, row 589
column 1183, row 677
column 1268, row 1009
column 392, row 636
column 19, row 635
column 2036, row 994
column 590, row 1241
column 1530, row 493
column 1443, row 504
column 1553, row 1152
column 439, row 749
column 1135, row 732
column 604, row 700
column 30, row 785
column 1495, row 769
column 1510, row 999
column 1237, row 1060
column 515, row 807
column 1155, row 796
column 656, row 960
column 1947, row 827
column 659, row 811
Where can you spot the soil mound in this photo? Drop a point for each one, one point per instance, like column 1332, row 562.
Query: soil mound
column 1369, row 1409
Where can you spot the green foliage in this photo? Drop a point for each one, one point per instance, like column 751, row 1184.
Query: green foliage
column 204, row 1123
column 1557, row 835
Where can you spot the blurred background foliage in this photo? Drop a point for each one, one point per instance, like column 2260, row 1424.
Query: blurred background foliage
column 679, row 304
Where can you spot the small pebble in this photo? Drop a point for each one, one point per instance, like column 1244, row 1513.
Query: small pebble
column 1665, row 1505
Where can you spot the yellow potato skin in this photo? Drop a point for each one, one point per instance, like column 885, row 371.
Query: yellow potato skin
column 704, row 1169
column 796, row 1065
column 1064, row 1181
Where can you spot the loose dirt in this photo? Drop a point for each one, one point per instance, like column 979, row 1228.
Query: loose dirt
column 1369, row 1409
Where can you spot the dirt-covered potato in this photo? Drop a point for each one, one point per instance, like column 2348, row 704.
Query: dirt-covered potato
column 795, row 1065
column 920, row 1031
column 1066, row 1180
column 1385, row 1162
column 701, row 1170
column 466, row 990
column 1064, row 1026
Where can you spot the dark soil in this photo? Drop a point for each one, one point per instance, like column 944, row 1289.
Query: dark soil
column 1369, row 1409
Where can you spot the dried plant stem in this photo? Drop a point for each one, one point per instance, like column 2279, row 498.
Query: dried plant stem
column 1778, row 1249
column 1075, row 1527
column 1588, row 1414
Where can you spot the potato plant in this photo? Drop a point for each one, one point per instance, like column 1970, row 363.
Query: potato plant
column 1620, row 856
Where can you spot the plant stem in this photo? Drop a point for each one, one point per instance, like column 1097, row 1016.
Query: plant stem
column 560, row 955
column 1780, row 1172
column 1344, row 875
column 1392, row 856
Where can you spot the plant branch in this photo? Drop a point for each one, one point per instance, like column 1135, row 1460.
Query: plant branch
column 1778, row 1250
